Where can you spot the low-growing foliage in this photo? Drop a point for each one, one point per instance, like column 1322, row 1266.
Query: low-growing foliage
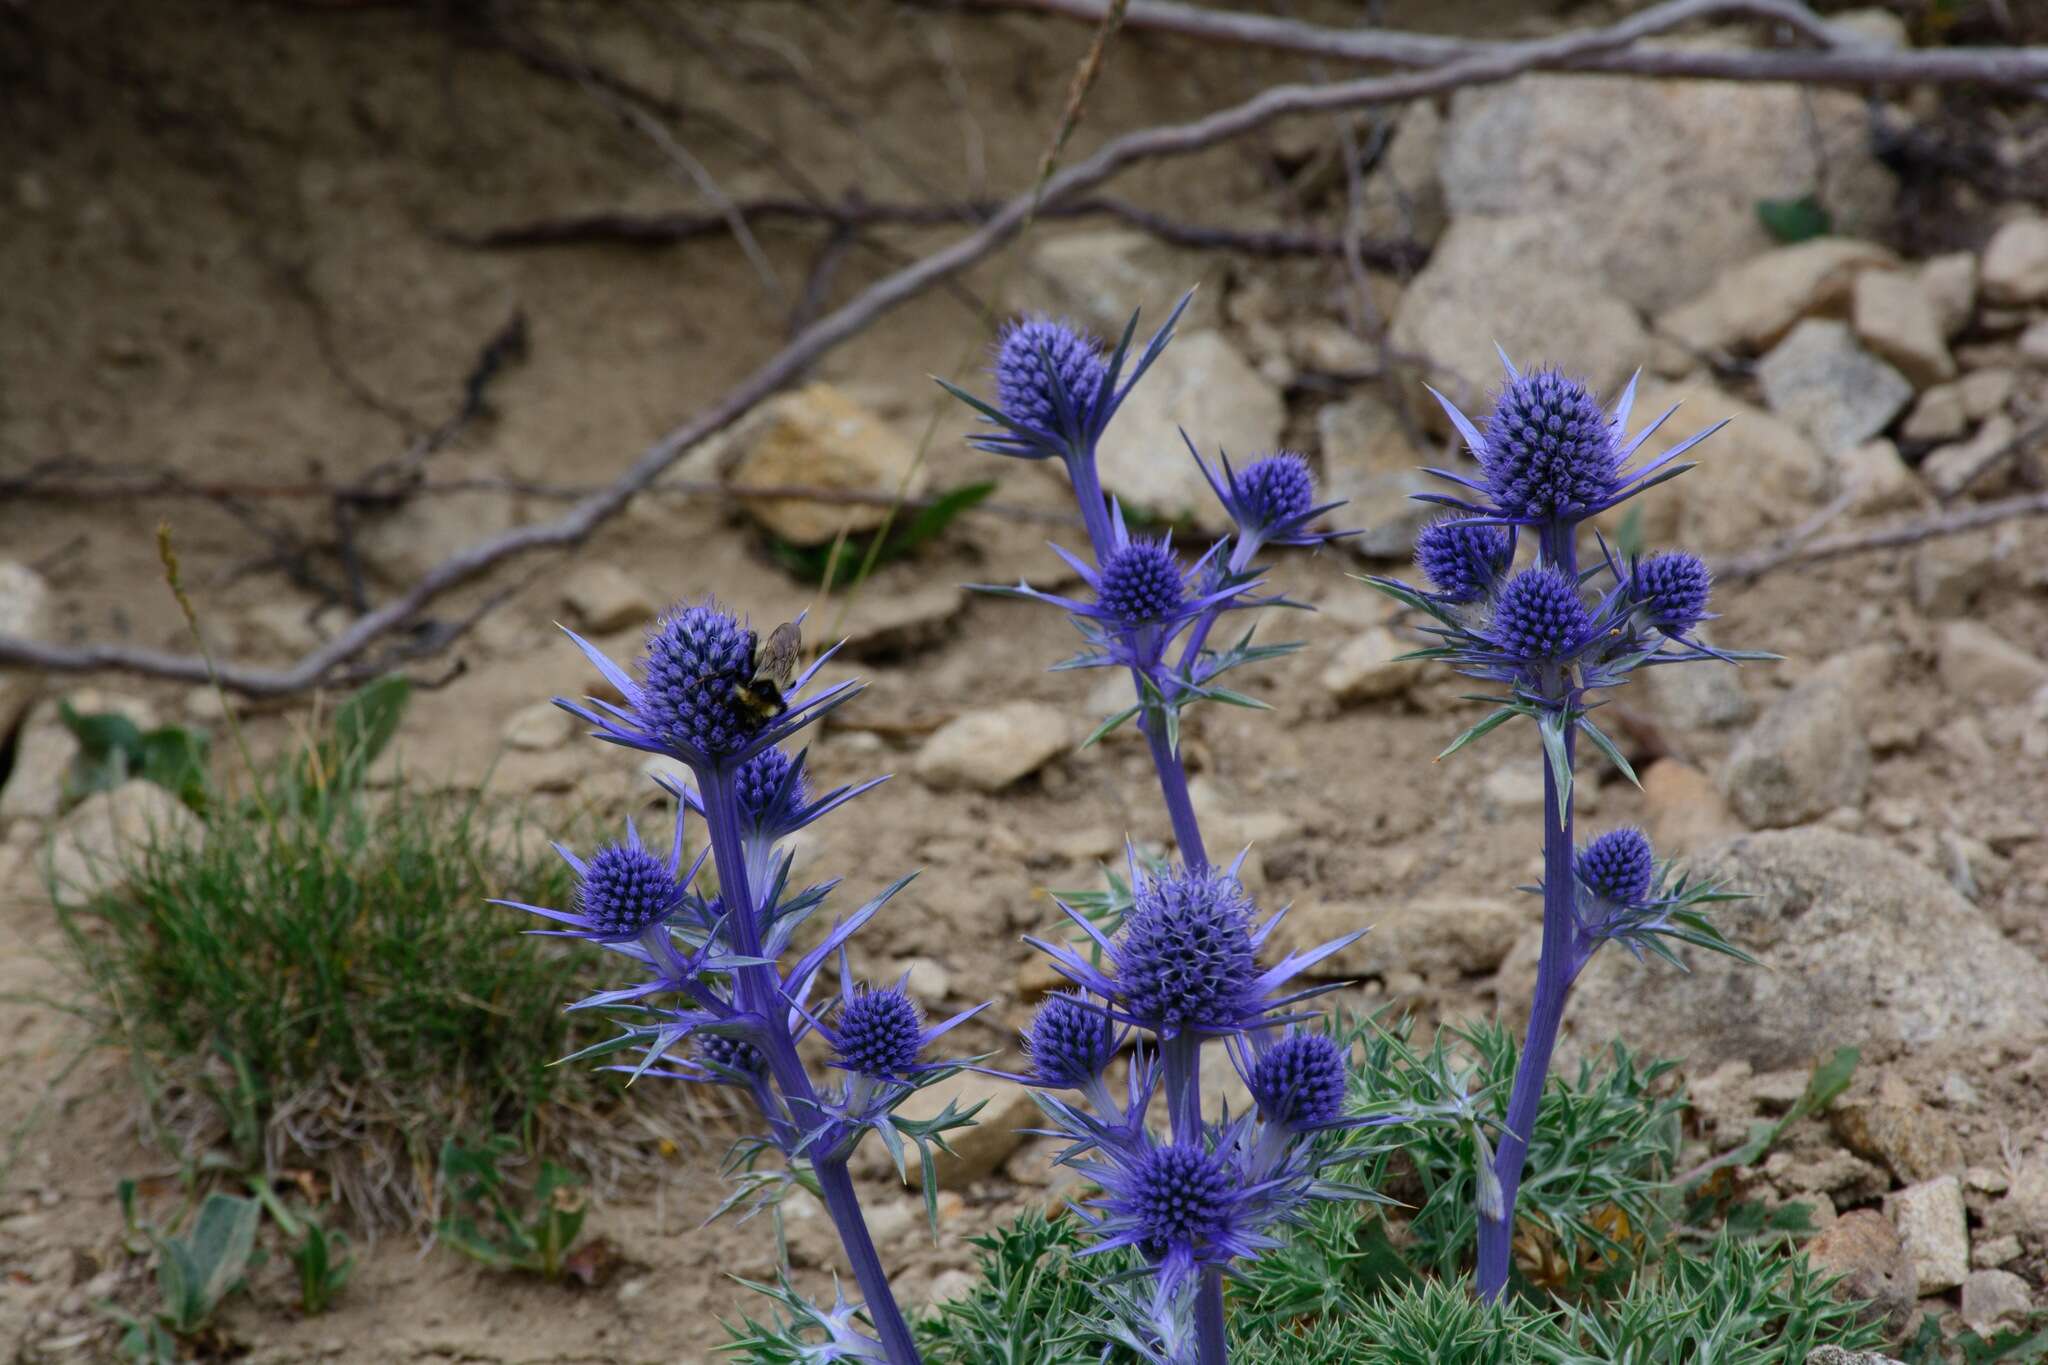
column 2022, row 1345
column 321, row 983
column 489, row 1222
column 112, row 749
column 194, row 1273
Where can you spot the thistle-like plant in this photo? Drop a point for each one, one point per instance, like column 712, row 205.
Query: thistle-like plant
column 1175, row 957
column 716, row 1003
column 1550, row 638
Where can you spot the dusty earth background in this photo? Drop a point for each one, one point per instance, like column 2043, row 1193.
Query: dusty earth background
column 232, row 254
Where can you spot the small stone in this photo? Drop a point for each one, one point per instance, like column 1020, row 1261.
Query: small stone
column 1865, row 1251
column 1819, row 378
column 1364, row 669
column 1876, row 480
column 1986, row 392
column 1897, row 321
column 2015, row 265
column 1514, row 788
column 1950, row 571
column 1894, row 1127
column 1934, row 1232
column 979, row 1150
column 2024, row 1210
column 1370, row 464
column 819, row 437
column 24, row 611
column 1326, row 346
column 1976, row 662
column 1842, row 1355
column 1986, row 1180
column 1201, row 384
column 1951, row 467
column 990, row 749
column 1950, row 284
column 1754, row 304
column 1698, row 698
column 1099, row 276
column 1806, row 756
column 1995, row 1251
column 1683, row 812
column 1442, row 938
column 603, row 598
column 891, row 625
column 539, row 727
column 2033, row 345
column 1938, row 416
column 1993, row 1299
column 97, row 845
column 930, row 980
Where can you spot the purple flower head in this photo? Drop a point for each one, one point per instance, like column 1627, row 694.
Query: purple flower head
column 1550, row 451
column 1618, row 866
column 1465, row 561
column 697, row 664
column 880, row 1034
column 1186, row 957
column 1299, row 1081
column 771, row 790
column 1276, row 489
column 1070, row 1041
column 731, row 1054
column 625, row 890
column 1178, row 1199
column 1048, row 374
column 1672, row 589
column 1540, row 616
column 1141, row 583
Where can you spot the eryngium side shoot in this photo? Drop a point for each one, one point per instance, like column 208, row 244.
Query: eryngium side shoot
column 715, row 1003
column 1179, row 961
column 1549, row 639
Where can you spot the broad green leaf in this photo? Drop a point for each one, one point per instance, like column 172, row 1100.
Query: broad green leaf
column 1795, row 220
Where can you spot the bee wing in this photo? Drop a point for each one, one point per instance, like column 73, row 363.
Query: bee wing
column 779, row 655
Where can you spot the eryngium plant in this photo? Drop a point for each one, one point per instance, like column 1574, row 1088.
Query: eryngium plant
column 1550, row 638
column 1175, row 959
column 716, row 1004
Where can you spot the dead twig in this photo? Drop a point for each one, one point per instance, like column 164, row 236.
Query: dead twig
column 1748, row 568
column 1833, row 63
column 1991, row 459
column 577, row 523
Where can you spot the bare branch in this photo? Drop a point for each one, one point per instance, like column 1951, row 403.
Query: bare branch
column 1750, row 567
column 580, row 520
column 1832, row 64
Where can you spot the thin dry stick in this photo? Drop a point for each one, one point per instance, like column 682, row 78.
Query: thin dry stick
column 1991, row 459
column 886, row 294
column 1750, row 567
column 1835, row 64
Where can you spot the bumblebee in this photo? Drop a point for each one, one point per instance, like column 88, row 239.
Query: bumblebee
column 774, row 667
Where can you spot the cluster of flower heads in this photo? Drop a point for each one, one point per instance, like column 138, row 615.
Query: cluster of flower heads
column 1552, row 635
column 725, row 997
column 1176, row 961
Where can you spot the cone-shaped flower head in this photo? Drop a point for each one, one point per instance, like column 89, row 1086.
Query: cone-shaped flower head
column 699, row 661
column 1672, row 590
column 1275, row 490
column 733, row 1054
column 1540, row 616
column 625, row 890
column 1619, row 866
column 1186, row 956
column 1177, row 1198
column 1070, row 1042
column 1464, row 561
column 1141, row 582
column 1030, row 353
column 1550, row 451
column 1299, row 1082
column 880, row 1034
column 769, row 798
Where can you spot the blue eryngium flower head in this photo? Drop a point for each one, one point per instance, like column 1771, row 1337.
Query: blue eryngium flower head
column 771, row 790
column 1540, row 616
column 1551, row 456
column 1047, row 372
column 1465, row 560
column 735, row 1055
column 695, row 699
column 1142, row 583
column 880, row 1034
column 622, row 890
column 1671, row 591
column 1186, row 956
column 1619, row 867
column 1178, row 1196
column 1299, row 1081
column 1070, row 1042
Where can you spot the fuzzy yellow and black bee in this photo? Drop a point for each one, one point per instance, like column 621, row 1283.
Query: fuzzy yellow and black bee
column 774, row 668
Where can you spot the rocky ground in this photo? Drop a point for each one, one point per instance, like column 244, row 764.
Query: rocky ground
column 242, row 273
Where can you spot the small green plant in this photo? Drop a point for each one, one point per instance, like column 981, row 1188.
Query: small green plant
column 1797, row 219
column 484, row 1223
column 1035, row 1303
column 2023, row 1345
column 112, row 749
column 843, row 562
column 319, row 1254
column 324, row 972
column 194, row 1273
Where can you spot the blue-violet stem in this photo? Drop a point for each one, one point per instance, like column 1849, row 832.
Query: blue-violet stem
column 1173, row 786
column 760, row 994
